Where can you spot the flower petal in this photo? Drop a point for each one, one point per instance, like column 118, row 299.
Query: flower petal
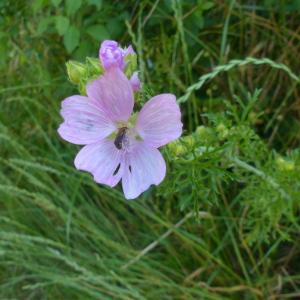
column 144, row 166
column 113, row 93
column 84, row 123
column 111, row 55
column 103, row 160
column 128, row 50
column 159, row 122
column 135, row 81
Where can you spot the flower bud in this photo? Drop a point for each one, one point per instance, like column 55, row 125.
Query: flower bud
column 135, row 81
column 130, row 64
column 111, row 55
column 177, row 149
column 188, row 141
column 205, row 134
column 222, row 131
column 76, row 71
column 284, row 164
column 94, row 67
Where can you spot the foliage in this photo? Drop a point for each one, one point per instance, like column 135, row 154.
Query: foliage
column 225, row 222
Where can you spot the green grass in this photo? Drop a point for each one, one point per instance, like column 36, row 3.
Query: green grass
column 224, row 224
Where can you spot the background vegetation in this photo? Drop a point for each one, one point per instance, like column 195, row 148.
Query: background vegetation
column 225, row 222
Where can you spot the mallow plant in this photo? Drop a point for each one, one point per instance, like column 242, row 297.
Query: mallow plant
column 119, row 144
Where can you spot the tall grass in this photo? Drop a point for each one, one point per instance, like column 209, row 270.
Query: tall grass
column 225, row 222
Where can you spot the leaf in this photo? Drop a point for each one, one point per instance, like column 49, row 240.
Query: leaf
column 3, row 34
column 97, row 3
column 208, row 5
column 116, row 25
column 43, row 25
column 56, row 2
column 71, row 38
column 98, row 32
column 296, row 5
column 37, row 5
column 205, row 5
column 72, row 6
column 61, row 24
column 83, row 51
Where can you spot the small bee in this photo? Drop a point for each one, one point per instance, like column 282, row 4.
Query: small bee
column 121, row 138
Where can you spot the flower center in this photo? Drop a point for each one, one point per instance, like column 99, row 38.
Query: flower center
column 121, row 141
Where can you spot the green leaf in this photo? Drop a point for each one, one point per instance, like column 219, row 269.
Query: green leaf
column 3, row 34
column 83, row 50
column 115, row 27
column 71, row 38
column 98, row 32
column 56, row 2
column 205, row 5
column 296, row 5
column 97, row 3
column 72, row 6
column 43, row 25
column 37, row 5
column 208, row 5
column 61, row 24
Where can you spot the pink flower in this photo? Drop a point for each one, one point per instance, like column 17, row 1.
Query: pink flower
column 135, row 81
column 111, row 55
column 116, row 147
column 128, row 50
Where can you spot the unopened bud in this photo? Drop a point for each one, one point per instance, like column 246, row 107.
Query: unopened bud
column 94, row 66
column 177, row 149
column 76, row 71
column 222, row 131
column 189, row 141
column 284, row 164
column 130, row 64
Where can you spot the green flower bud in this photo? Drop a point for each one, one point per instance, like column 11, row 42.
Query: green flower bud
column 203, row 132
column 222, row 131
column 188, row 141
column 284, row 164
column 76, row 71
column 94, row 67
column 84, row 82
column 131, row 64
column 177, row 149
column 81, row 88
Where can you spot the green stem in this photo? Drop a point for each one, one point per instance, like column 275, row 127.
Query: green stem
column 233, row 64
column 261, row 174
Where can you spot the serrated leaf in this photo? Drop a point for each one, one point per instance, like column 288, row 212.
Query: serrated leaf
column 71, row 38
column 98, row 32
column 72, row 6
column 61, row 24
